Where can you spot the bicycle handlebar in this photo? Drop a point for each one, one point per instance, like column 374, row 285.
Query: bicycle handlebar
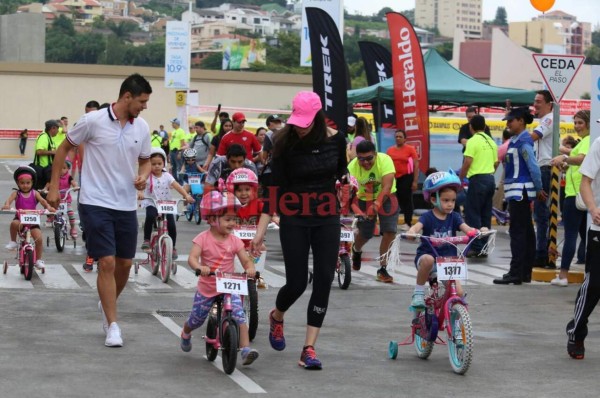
column 43, row 212
column 455, row 240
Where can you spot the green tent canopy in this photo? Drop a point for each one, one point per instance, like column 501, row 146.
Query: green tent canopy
column 447, row 85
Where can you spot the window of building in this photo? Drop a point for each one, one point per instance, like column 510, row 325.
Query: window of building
column 256, row 21
column 233, row 18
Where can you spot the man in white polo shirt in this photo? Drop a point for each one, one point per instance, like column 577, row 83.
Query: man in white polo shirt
column 117, row 165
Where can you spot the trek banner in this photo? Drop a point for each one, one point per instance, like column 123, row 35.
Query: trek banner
column 329, row 70
column 410, row 85
column 378, row 67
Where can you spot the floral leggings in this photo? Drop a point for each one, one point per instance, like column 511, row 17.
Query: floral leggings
column 202, row 306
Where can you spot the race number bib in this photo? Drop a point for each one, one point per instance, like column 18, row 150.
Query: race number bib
column 62, row 207
column 30, row 218
column 232, row 283
column 247, row 233
column 167, row 206
column 451, row 268
column 346, row 235
column 194, row 180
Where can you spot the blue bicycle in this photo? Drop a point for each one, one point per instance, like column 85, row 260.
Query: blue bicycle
column 196, row 183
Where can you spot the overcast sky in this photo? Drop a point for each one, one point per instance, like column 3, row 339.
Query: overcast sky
column 517, row 10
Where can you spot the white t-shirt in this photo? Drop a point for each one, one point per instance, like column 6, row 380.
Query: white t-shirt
column 158, row 188
column 543, row 146
column 591, row 168
column 111, row 158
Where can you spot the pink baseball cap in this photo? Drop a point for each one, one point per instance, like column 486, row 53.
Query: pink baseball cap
column 305, row 106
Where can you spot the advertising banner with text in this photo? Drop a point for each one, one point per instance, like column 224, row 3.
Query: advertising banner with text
column 177, row 55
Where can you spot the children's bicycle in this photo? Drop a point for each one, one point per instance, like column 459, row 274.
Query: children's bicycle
column 343, row 268
column 160, row 256
column 222, row 330
column 444, row 310
column 26, row 244
column 196, row 182
column 60, row 224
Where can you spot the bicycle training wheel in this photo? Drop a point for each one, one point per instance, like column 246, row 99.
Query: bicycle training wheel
column 344, row 272
column 251, row 309
column 229, row 345
column 211, row 333
column 59, row 237
column 425, row 335
column 166, row 258
column 28, row 264
column 460, row 343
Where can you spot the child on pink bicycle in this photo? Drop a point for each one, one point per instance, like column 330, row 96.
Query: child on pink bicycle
column 214, row 250
column 243, row 183
column 26, row 198
column 159, row 186
column 66, row 182
column 440, row 190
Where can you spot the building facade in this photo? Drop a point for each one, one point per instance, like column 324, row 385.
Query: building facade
column 447, row 16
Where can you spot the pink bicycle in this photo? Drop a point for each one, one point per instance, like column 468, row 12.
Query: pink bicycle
column 26, row 244
column 444, row 310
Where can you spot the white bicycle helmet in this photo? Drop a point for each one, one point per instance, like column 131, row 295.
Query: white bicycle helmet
column 159, row 151
column 189, row 153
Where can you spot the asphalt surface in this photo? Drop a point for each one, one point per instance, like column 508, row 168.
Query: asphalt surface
column 52, row 343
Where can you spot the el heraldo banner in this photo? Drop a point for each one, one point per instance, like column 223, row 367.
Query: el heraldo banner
column 328, row 66
column 410, row 86
column 378, row 67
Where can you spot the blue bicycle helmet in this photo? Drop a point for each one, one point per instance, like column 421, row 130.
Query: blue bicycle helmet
column 441, row 179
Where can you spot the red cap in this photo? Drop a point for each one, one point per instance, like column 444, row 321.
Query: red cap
column 238, row 117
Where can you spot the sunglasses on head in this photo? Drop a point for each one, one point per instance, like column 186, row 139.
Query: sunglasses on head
column 365, row 158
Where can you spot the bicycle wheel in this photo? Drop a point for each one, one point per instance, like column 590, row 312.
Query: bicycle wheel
column 251, row 309
column 59, row 237
column 229, row 345
column 393, row 350
column 154, row 255
column 197, row 217
column 344, row 272
column 166, row 258
column 211, row 333
column 460, row 343
column 189, row 211
column 425, row 335
column 28, row 264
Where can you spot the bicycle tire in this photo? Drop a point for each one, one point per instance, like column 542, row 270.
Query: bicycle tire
column 393, row 350
column 460, row 343
column 229, row 345
column 251, row 309
column 423, row 336
column 189, row 211
column 28, row 264
column 197, row 215
column 211, row 332
column 154, row 255
column 166, row 258
column 59, row 237
column 344, row 272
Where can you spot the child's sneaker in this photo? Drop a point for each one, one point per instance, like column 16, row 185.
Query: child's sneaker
column 12, row 245
column 175, row 255
column 309, row 360
column 88, row 266
column 249, row 355
column 146, row 246
column 576, row 349
column 276, row 337
column 74, row 232
column 186, row 344
column 384, row 276
column 418, row 300
column 40, row 265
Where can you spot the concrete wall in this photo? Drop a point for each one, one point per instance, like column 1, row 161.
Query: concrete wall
column 34, row 93
column 22, row 38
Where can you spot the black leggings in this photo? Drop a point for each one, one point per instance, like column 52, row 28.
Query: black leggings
column 405, row 196
column 296, row 241
column 151, row 214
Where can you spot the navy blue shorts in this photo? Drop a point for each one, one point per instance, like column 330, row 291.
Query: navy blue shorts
column 109, row 232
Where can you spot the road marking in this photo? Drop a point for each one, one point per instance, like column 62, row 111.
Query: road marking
column 238, row 377
column 144, row 280
column 13, row 279
column 56, row 277
column 89, row 277
column 184, row 277
column 182, row 258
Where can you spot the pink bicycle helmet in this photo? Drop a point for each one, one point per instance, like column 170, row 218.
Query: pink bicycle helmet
column 441, row 179
column 215, row 203
column 241, row 176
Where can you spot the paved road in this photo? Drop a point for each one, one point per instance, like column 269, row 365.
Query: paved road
column 51, row 342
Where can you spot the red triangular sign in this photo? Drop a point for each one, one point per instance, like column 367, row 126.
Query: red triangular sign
column 558, row 71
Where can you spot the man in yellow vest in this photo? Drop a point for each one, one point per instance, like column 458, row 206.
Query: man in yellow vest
column 176, row 142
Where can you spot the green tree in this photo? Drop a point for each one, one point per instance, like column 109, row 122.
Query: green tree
column 596, row 38
column 409, row 14
column 501, row 18
column 445, row 50
column 11, row 6
column 383, row 11
column 592, row 55
column 122, row 29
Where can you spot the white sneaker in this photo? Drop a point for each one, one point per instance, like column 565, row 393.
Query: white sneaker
column 40, row 264
column 272, row 225
column 104, row 320
column 12, row 245
column 404, row 227
column 559, row 282
column 113, row 336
